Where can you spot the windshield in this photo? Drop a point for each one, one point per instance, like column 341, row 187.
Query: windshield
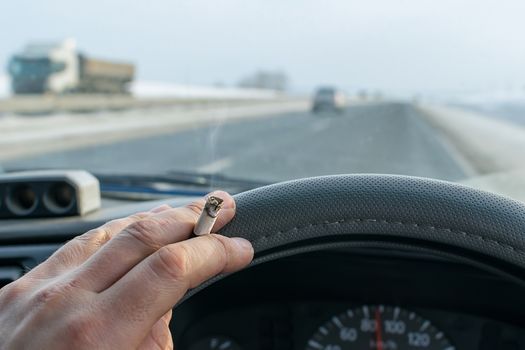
column 424, row 88
column 38, row 67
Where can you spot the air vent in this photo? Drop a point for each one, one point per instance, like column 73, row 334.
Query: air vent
column 50, row 193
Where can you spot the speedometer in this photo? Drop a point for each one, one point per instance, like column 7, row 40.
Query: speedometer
column 378, row 327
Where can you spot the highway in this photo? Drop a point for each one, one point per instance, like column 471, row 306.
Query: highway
column 380, row 138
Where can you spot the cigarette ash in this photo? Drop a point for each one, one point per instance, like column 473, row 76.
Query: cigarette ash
column 213, row 205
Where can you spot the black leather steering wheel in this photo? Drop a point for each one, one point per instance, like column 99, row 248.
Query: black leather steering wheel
column 386, row 210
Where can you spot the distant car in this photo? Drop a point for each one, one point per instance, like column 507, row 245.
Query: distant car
column 328, row 99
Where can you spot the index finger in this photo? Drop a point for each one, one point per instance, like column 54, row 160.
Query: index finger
column 142, row 238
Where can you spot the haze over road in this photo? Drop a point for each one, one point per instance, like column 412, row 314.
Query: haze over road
column 381, row 138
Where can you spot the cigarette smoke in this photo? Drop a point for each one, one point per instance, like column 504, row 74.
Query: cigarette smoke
column 213, row 138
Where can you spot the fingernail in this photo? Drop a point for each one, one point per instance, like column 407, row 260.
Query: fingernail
column 243, row 243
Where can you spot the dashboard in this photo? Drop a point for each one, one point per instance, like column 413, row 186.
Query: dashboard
column 338, row 300
column 333, row 299
column 337, row 326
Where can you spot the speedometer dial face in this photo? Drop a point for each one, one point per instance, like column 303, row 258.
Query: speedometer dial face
column 378, row 327
column 215, row 343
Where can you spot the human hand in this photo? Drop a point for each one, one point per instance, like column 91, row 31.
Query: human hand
column 114, row 287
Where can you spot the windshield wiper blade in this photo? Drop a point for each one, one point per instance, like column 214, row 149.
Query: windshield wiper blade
column 180, row 178
column 214, row 178
column 173, row 183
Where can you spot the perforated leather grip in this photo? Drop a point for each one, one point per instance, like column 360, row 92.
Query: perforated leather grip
column 395, row 207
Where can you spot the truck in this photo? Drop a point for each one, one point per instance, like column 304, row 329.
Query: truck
column 59, row 68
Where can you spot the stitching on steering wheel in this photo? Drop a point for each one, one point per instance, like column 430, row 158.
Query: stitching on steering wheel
column 384, row 221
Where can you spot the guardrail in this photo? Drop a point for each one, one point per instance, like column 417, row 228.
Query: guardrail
column 25, row 136
column 47, row 104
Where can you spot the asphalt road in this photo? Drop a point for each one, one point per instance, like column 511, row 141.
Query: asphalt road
column 385, row 138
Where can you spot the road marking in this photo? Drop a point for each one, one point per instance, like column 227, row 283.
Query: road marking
column 320, row 125
column 216, row 166
column 424, row 326
column 350, row 313
column 323, row 330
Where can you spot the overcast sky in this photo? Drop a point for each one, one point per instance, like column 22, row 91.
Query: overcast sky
column 408, row 46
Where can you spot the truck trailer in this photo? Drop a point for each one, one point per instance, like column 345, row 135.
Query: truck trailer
column 61, row 69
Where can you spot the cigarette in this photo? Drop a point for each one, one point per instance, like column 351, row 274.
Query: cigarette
column 208, row 216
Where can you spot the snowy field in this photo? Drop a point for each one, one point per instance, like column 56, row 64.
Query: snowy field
column 153, row 89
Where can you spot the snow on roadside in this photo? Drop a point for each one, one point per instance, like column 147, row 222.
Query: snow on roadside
column 4, row 86
column 151, row 89
column 507, row 105
column 490, row 145
column 494, row 98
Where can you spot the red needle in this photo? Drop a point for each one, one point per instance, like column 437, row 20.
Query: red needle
column 379, row 336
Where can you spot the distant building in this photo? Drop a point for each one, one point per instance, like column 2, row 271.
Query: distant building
column 270, row 80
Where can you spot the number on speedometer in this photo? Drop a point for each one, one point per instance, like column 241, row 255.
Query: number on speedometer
column 378, row 328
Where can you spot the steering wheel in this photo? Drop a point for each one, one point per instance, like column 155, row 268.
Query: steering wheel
column 385, row 211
